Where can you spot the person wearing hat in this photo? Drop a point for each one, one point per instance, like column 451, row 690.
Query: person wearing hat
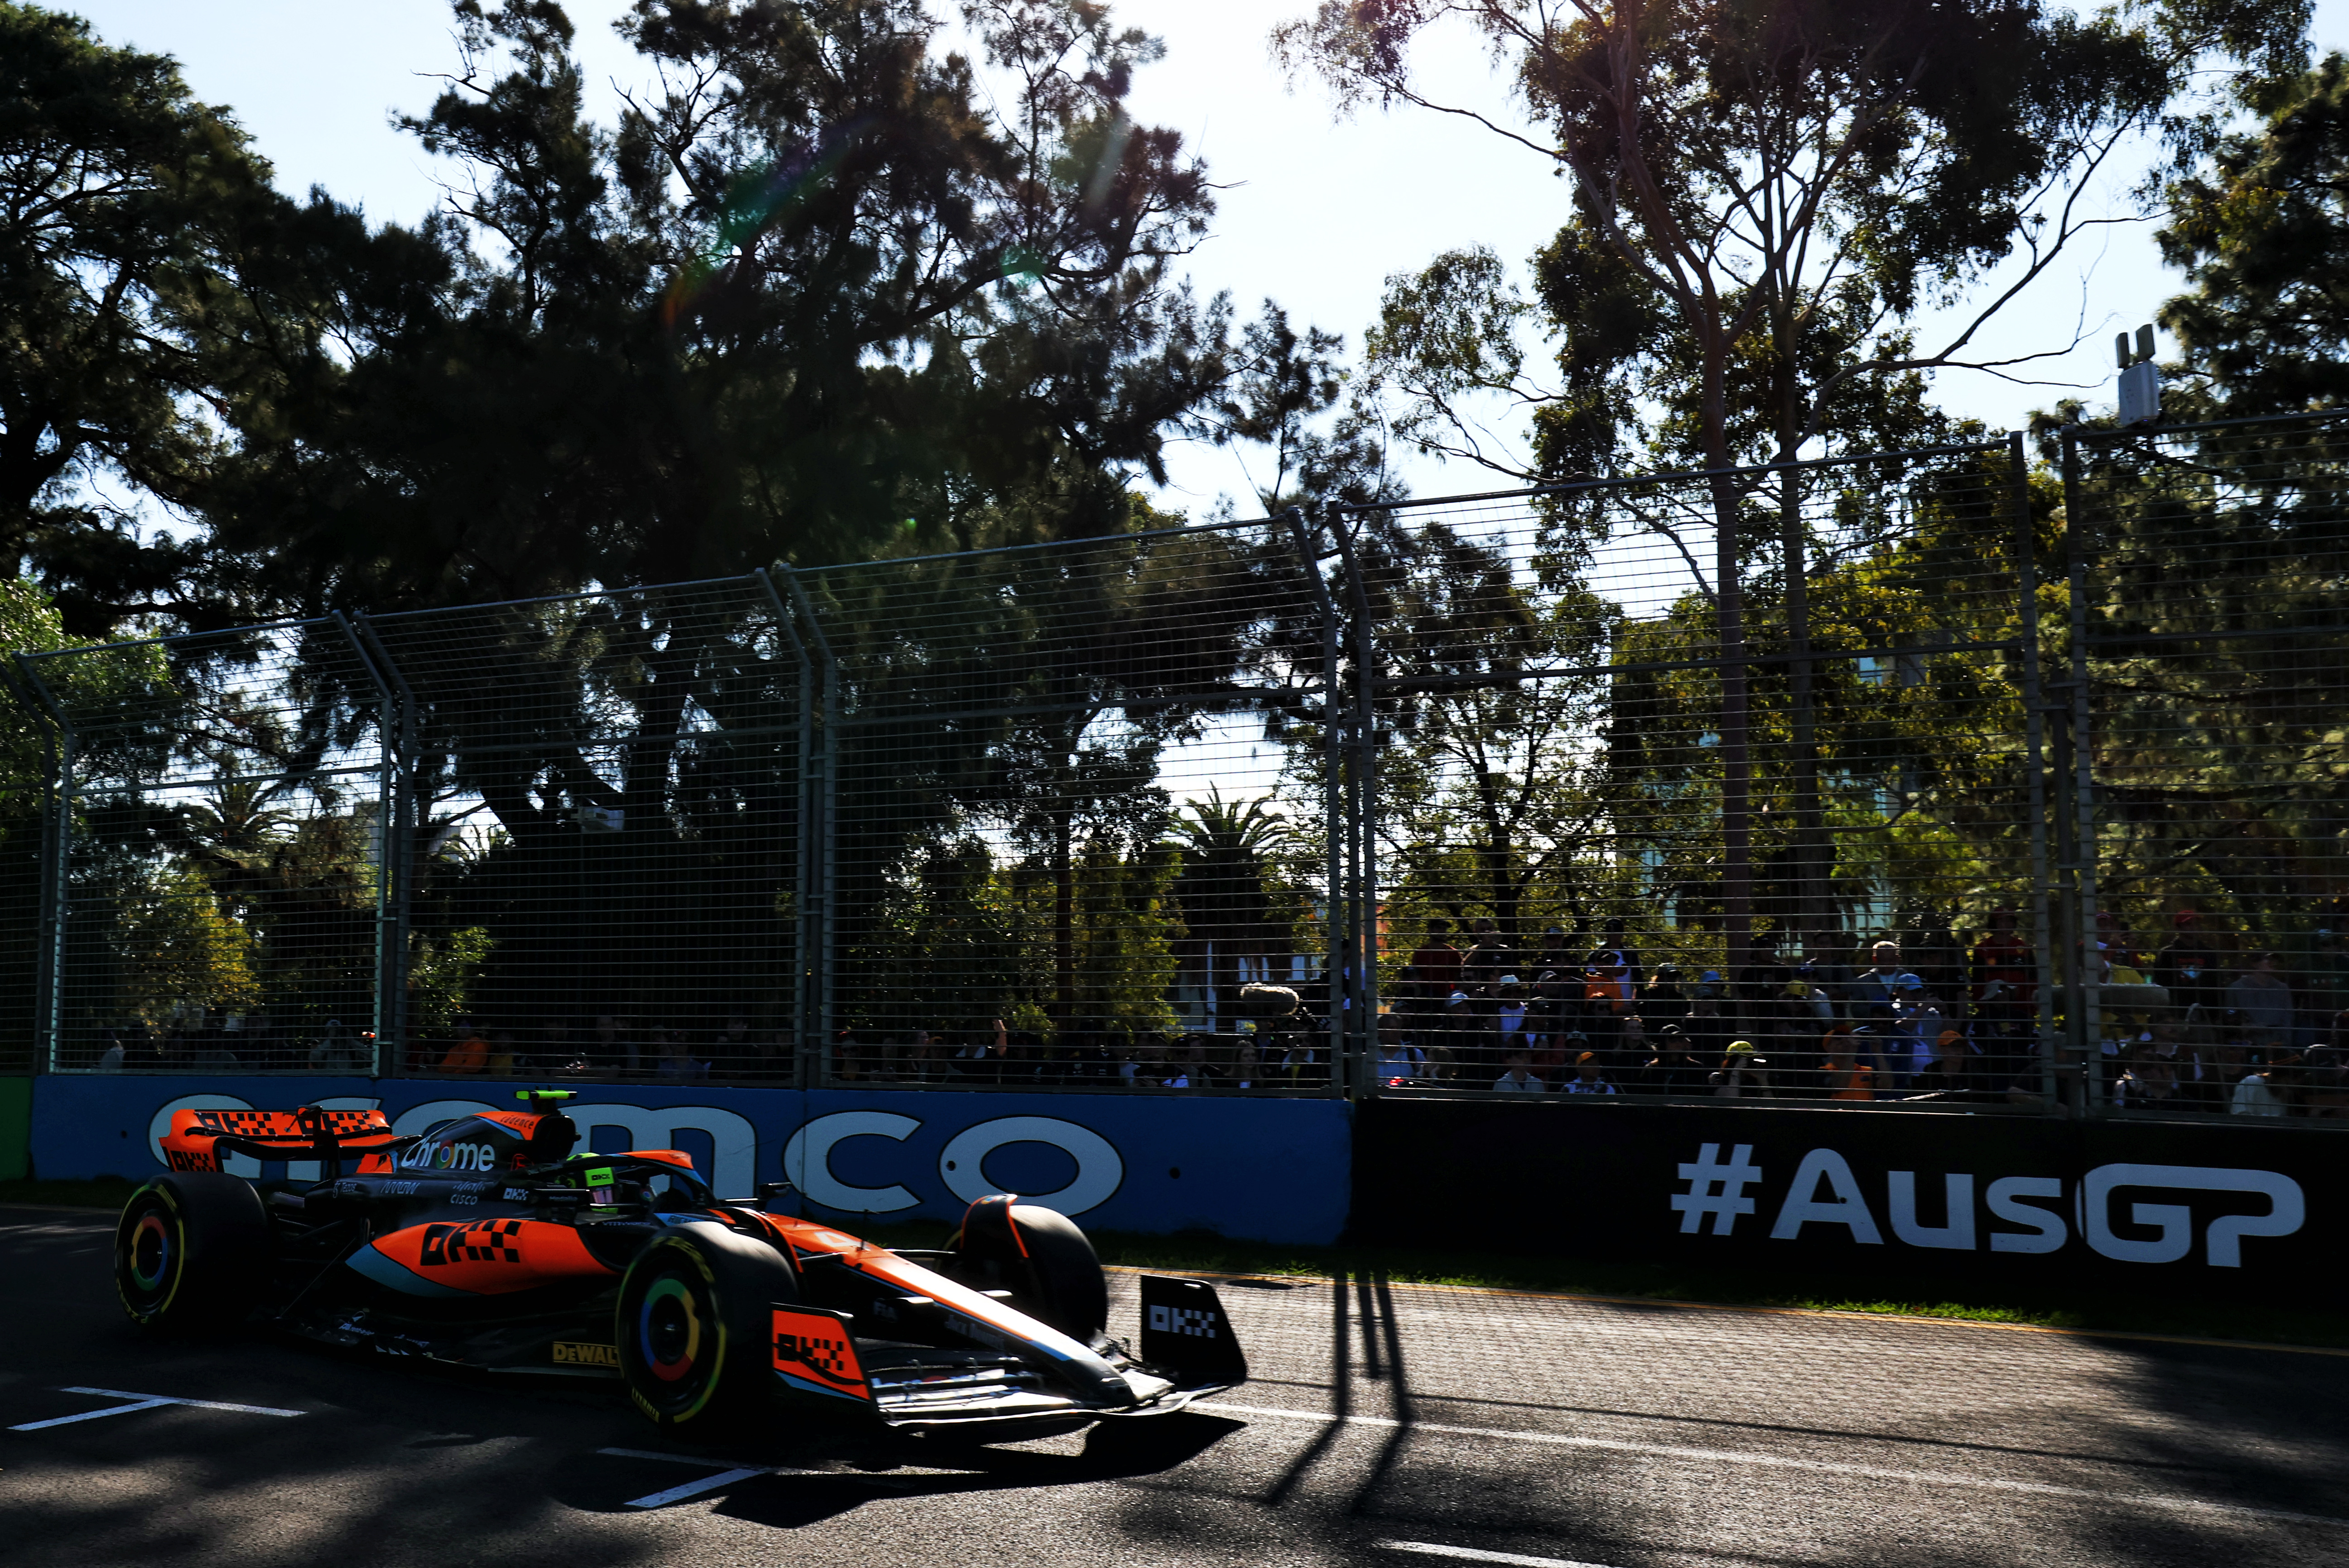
column 1677, row 1067
column 1511, row 1023
column 1919, row 1023
column 1946, row 1078
column 1743, row 1073
column 1460, row 1036
column 1847, row 1077
column 1587, row 1079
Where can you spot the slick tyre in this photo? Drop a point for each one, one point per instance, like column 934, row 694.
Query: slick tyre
column 190, row 1253
column 1041, row 1257
column 692, row 1327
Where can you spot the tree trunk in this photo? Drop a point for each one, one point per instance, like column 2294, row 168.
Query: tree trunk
column 1806, row 910
column 1736, row 757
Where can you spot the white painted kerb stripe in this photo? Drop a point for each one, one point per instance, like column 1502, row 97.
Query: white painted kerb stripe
column 199, row 1404
column 1469, row 1553
column 1817, row 1467
column 142, row 1402
column 695, row 1488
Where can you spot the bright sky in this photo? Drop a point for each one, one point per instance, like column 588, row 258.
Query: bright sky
column 1316, row 212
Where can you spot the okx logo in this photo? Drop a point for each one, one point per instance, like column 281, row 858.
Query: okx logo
column 814, row 1353
column 1183, row 1320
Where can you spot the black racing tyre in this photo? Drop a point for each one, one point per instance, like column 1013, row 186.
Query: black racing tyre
column 190, row 1251
column 693, row 1325
column 1041, row 1257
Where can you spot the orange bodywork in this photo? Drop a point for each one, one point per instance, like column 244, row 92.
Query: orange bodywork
column 189, row 1146
column 1011, row 1328
column 814, row 1351
column 488, row 1257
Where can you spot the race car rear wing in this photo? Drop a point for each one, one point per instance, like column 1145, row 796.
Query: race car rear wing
column 200, row 1138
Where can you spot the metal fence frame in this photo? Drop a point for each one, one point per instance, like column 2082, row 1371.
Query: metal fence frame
column 2058, row 714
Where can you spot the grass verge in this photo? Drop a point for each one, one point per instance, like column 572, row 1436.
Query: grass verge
column 107, row 1192
column 1201, row 1253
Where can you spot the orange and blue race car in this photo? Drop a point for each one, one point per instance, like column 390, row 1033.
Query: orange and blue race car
column 490, row 1243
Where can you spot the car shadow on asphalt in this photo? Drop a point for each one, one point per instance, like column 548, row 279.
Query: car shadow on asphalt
column 891, row 1467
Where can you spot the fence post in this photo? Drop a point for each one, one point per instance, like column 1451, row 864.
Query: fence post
column 819, row 847
column 394, row 875
column 1361, row 780
column 1333, row 811
column 2034, row 745
column 803, row 849
column 2077, row 813
column 56, row 864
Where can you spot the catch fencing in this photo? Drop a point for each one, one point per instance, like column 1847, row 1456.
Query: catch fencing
column 1887, row 781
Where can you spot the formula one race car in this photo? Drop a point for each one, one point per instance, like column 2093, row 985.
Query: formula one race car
column 489, row 1243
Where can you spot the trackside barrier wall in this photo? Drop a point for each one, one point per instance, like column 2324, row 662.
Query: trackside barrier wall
column 1272, row 1170
column 1929, row 1200
column 16, row 1127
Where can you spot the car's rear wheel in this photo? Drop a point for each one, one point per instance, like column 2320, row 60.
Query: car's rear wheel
column 1041, row 1257
column 693, row 1326
column 190, row 1253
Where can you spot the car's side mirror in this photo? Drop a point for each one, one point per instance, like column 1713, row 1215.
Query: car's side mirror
column 770, row 1191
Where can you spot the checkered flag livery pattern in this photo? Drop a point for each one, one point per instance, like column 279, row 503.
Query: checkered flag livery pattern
column 483, row 1242
column 819, row 1345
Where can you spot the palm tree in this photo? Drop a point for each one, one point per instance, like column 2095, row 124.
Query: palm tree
column 1221, row 887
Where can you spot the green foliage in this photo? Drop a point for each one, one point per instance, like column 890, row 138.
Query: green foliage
column 2220, row 677
column 161, row 304
column 985, row 937
column 441, row 973
column 2260, row 235
column 1493, row 798
column 1232, row 888
column 179, row 949
column 1763, row 193
column 815, row 281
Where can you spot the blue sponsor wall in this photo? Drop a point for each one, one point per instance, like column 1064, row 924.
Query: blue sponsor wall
column 1273, row 1170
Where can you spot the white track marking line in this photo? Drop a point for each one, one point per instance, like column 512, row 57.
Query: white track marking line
column 707, row 1483
column 695, row 1488
column 1817, row 1467
column 144, row 1402
column 199, row 1404
column 1473, row 1555
column 92, row 1415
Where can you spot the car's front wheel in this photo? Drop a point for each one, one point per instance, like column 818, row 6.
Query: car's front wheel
column 190, row 1253
column 693, row 1326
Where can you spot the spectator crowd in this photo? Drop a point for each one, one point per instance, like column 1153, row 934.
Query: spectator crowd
column 2198, row 1021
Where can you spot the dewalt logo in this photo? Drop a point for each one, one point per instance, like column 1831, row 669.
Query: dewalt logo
column 571, row 1354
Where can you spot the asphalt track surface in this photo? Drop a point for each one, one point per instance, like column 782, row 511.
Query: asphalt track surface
column 1387, row 1425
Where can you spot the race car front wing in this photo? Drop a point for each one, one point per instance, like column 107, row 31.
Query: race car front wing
column 1188, row 1351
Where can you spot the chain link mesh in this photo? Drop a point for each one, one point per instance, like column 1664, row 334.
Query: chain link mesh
column 1933, row 806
